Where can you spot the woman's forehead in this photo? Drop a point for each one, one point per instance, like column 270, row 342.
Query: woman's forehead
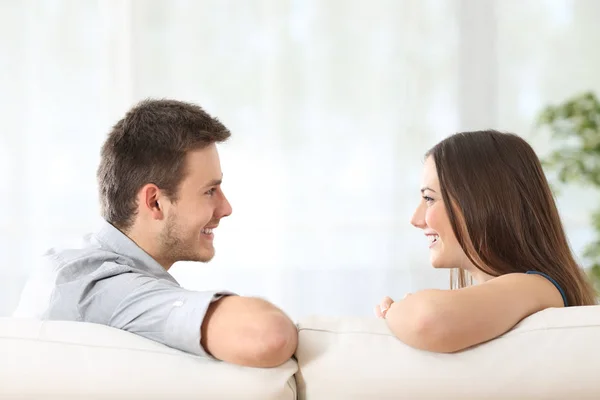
column 430, row 177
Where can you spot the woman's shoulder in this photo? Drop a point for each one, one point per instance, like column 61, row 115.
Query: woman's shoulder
column 556, row 285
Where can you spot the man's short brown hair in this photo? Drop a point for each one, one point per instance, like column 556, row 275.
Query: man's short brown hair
column 149, row 145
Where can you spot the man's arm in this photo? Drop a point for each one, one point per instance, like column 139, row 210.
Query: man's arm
column 241, row 330
column 248, row 331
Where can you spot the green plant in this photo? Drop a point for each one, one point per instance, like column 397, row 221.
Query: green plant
column 575, row 125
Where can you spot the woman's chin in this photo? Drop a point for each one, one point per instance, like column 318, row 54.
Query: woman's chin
column 437, row 263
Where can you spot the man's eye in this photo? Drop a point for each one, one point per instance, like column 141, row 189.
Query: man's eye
column 211, row 192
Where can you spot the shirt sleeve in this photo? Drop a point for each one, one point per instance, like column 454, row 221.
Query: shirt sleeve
column 153, row 308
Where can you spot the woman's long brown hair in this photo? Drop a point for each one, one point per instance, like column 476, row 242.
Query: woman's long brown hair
column 503, row 212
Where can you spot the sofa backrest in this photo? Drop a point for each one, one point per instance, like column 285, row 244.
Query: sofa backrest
column 75, row 360
column 554, row 354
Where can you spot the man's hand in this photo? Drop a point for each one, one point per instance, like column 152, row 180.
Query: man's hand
column 248, row 331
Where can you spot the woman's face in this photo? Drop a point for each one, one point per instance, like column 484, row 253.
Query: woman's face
column 431, row 216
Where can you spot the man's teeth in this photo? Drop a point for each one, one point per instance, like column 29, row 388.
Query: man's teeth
column 432, row 238
column 207, row 231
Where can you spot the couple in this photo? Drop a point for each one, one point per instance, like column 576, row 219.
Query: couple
column 485, row 207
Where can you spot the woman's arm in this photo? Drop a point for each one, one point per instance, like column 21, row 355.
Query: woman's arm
column 451, row 320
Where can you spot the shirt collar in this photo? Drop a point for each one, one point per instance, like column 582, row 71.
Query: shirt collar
column 121, row 244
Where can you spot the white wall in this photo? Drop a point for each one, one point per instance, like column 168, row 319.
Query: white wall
column 332, row 104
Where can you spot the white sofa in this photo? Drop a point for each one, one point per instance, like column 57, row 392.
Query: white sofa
column 554, row 354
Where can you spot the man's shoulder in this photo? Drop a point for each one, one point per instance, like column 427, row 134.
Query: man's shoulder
column 66, row 273
column 84, row 256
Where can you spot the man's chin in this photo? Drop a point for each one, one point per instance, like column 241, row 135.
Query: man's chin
column 204, row 257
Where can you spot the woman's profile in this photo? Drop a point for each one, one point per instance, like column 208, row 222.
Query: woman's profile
column 489, row 215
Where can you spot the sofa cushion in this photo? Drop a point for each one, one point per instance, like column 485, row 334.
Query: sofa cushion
column 76, row 360
column 554, row 354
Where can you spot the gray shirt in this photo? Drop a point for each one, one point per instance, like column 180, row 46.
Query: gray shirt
column 107, row 279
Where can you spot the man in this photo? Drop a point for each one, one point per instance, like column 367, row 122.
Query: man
column 160, row 190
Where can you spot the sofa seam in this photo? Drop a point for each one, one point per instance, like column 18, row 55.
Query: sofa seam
column 294, row 392
column 508, row 334
column 352, row 332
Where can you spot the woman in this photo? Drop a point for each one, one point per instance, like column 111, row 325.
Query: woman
column 489, row 214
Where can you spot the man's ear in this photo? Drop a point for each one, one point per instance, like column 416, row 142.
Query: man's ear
column 150, row 201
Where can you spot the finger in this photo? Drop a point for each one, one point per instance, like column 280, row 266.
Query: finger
column 386, row 303
column 377, row 310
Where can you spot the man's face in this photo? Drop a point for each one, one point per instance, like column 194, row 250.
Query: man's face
column 187, row 234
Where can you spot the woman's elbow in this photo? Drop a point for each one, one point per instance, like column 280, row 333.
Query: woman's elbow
column 423, row 328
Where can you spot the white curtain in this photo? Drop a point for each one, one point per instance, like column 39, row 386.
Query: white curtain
column 332, row 104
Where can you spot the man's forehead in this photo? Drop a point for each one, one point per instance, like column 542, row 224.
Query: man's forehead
column 205, row 176
column 203, row 166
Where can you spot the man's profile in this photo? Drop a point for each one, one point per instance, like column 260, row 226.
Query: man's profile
column 160, row 191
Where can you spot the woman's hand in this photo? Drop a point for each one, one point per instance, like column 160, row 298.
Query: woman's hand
column 382, row 308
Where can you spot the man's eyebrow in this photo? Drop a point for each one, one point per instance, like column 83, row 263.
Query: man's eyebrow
column 427, row 188
column 214, row 182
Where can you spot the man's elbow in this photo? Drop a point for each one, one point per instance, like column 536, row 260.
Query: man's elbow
column 249, row 332
column 277, row 343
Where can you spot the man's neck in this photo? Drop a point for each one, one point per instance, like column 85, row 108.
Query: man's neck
column 147, row 243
